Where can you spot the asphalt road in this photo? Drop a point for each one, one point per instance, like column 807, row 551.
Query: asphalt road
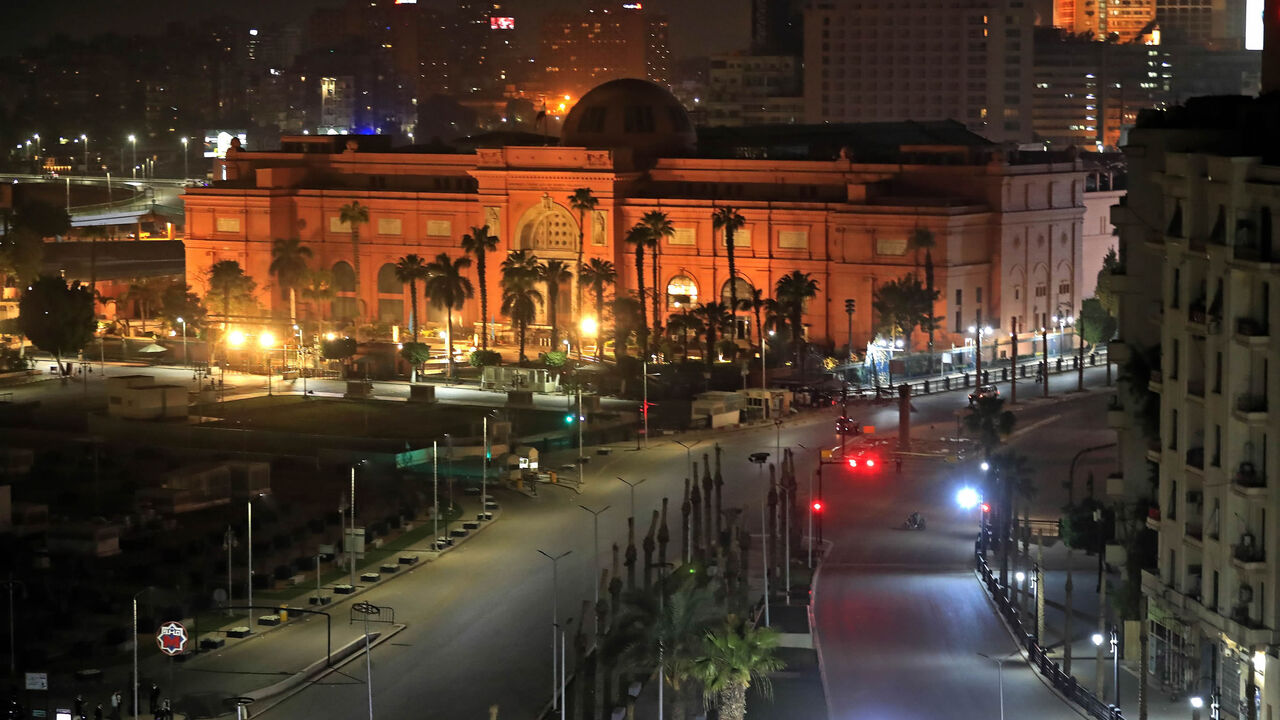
column 900, row 615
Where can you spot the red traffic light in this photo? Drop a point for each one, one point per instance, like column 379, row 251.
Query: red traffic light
column 986, row 508
column 817, row 506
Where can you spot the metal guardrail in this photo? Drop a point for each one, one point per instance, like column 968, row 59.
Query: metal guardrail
column 1000, row 373
column 1036, row 655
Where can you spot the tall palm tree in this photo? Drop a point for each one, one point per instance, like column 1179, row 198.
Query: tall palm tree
column 626, row 320
column 715, row 317
column 480, row 243
column 660, row 227
column 756, row 303
column 520, row 299
column 410, row 269
column 684, row 323
column 447, row 288
column 734, row 659
column 317, row 287
column 354, row 215
column 923, row 239
column 793, row 290
column 289, row 265
column 583, row 202
column 597, row 275
column 228, row 282
column 554, row 273
column 642, row 237
column 728, row 219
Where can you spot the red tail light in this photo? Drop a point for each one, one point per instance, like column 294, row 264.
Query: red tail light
column 853, row 463
column 871, row 463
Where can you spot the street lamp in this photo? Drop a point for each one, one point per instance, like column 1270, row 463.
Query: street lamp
column 1197, row 702
column 688, row 454
column 1063, row 321
column 84, row 140
column 185, row 169
column 999, row 661
column 184, row 341
column 589, row 327
column 760, row 458
column 633, row 485
column 133, row 140
column 135, row 650
column 595, row 554
column 555, row 615
column 1114, row 640
column 978, row 333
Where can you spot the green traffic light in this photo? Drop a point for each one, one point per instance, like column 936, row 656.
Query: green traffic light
column 568, row 419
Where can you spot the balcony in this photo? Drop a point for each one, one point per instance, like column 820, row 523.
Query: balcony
column 1251, row 408
column 1247, row 556
column 1153, row 518
column 1252, row 332
column 1195, row 389
column 1195, row 458
column 1194, row 535
column 1153, row 451
column 1156, row 382
column 1248, row 482
column 1252, row 256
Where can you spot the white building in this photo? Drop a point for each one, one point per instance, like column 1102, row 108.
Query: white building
column 1196, row 246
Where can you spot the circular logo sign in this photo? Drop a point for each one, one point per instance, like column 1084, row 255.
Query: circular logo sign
column 172, row 638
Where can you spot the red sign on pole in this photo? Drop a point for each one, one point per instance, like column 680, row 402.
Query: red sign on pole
column 172, row 638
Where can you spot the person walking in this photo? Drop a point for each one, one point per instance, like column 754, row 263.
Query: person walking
column 116, row 700
column 154, row 700
column 166, row 711
column 79, row 706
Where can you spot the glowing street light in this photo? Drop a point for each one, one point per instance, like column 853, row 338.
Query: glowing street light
column 267, row 340
column 967, row 498
column 985, row 466
column 186, row 173
column 133, row 140
column 84, row 139
column 235, row 338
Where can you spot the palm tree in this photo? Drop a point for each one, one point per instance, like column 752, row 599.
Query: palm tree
column 583, row 202
column 289, row 265
column 554, row 273
column 666, row 629
column 146, row 295
column 659, row 227
column 755, row 304
column 228, row 282
column 990, row 422
column 317, row 287
column 480, row 243
column 520, row 299
column 447, row 288
column 410, row 269
column 354, row 215
column 598, row 274
column 734, row 659
column 922, row 239
column 684, row 323
column 729, row 219
column 641, row 236
column 792, row 291
column 715, row 317
column 626, row 320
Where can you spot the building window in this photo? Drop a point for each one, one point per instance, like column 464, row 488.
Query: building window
column 959, row 296
column 1042, row 291
column 1017, row 292
column 978, row 295
column 1064, row 288
column 957, row 325
column 681, row 291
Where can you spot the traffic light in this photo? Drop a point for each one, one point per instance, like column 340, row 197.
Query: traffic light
column 568, row 419
column 851, row 306
column 986, row 508
column 817, row 506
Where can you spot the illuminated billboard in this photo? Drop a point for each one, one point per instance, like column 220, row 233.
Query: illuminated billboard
column 502, row 23
column 216, row 142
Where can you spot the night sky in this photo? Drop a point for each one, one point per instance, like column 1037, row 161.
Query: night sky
column 31, row 22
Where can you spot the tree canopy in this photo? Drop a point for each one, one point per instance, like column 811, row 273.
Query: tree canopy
column 58, row 318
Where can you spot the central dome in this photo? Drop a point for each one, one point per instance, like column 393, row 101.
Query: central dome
column 631, row 113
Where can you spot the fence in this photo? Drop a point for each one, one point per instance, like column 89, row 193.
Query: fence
column 1036, row 656
column 1028, row 370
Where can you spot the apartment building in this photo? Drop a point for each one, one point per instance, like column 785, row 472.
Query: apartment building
column 1198, row 443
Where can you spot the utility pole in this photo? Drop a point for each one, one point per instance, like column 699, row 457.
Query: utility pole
column 1080, row 355
column 1044, row 344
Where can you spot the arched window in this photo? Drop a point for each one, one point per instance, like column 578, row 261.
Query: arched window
column 547, row 226
column 743, row 287
column 344, row 278
column 387, row 281
column 680, row 287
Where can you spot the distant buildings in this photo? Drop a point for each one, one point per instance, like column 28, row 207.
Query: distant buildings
column 1121, row 20
column 752, row 90
column 886, row 60
column 581, row 49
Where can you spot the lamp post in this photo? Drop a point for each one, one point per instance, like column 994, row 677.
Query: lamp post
column 1064, row 321
column 595, row 553
column 185, row 169
column 13, row 663
column 555, row 615
column 229, row 543
column 135, row 651
column 999, row 661
column 759, row 459
column 133, row 140
column 688, row 453
column 184, row 342
column 367, row 609
column 1044, row 345
column 1197, row 702
column 850, row 307
column 84, row 140
column 249, row 547
column 978, row 333
column 633, row 485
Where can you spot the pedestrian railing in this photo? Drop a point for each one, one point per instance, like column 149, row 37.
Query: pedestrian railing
column 1030, row 370
column 1036, row 655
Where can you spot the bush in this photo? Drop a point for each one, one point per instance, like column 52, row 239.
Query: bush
column 482, row 358
column 415, row 353
column 338, row 348
column 555, row 358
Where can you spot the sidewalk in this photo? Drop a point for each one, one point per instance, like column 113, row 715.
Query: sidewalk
column 1084, row 611
column 98, row 684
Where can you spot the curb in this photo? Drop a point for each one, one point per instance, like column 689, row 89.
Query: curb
column 1022, row 652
